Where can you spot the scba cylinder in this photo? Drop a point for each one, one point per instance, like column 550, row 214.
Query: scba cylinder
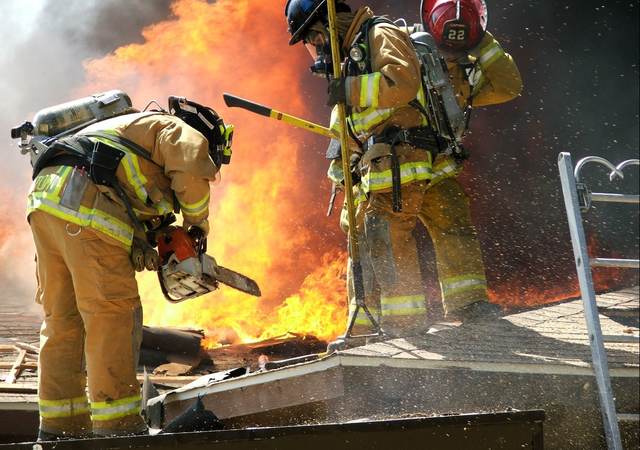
column 58, row 119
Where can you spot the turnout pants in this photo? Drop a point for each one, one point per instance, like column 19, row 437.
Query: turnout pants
column 91, row 332
column 394, row 290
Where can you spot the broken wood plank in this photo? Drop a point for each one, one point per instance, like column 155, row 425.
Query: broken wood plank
column 25, row 365
column 18, row 389
column 175, row 345
column 16, row 369
column 161, row 379
column 28, row 347
column 173, row 369
column 5, row 348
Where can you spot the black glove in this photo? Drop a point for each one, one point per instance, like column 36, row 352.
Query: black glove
column 337, row 92
column 199, row 237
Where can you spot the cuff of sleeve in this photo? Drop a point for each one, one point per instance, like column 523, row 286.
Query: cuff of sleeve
column 488, row 51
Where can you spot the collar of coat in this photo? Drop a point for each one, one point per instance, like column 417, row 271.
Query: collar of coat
column 362, row 15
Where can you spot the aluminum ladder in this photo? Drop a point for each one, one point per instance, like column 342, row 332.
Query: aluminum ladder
column 578, row 199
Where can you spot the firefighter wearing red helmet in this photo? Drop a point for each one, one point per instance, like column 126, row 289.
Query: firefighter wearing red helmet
column 456, row 25
column 395, row 156
column 482, row 74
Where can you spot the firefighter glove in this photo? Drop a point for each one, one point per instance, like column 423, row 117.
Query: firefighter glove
column 337, row 92
column 203, row 226
column 143, row 256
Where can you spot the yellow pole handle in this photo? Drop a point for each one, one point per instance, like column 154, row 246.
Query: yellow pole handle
column 233, row 101
column 346, row 150
column 301, row 123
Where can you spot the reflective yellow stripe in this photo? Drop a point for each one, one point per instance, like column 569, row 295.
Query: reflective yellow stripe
column 463, row 283
column 63, row 408
column 116, row 409
column 405, row 305
column 409, row 172
column 364, row 121
column 490, row 54
column 444, row 169
column 64, row 172
column 422, row 99
column 163, row 207
column 84, row 217
column 131, row 167
column 360, row 195
column 361, row 318
column 197, row 208
column 335, row 172
column 369, row 90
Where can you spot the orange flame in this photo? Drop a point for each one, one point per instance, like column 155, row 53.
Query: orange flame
column 264, row 222
column 526, row 293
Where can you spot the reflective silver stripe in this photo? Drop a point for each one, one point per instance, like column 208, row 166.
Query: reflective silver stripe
column 63, row 408
column 84, row 217
column 335, row 172
column 361, row 318
column 100, row 411
column 464, row 284
column 363, row 122
column 414, row 171
column 369, row 89
column 196, row 208
column 412, row 302
column 489, row 54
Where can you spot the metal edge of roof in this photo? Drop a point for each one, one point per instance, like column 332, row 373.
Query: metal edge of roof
column 341, row 360
column 24, row 405
column 252, row 379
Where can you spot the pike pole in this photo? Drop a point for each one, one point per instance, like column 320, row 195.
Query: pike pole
column 233, row 101
column 354, row 250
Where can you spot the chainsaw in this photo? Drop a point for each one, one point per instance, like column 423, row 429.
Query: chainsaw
column 186, row 270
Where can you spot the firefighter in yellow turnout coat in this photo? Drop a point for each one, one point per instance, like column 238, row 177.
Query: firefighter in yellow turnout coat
column 84, row 238
column 384, row 101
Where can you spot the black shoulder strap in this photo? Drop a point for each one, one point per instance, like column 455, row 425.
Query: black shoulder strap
column 129, row 144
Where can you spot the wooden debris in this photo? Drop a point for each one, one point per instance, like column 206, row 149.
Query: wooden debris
column 282, row 347
column 172, row 345
column 173, row 369
column 18, row 389
column 24, row 366
column 28, row 347
column 16, row 368
column 170, row 380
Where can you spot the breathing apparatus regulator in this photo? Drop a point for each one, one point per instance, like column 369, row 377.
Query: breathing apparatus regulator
column 301, row 16
column 55, row 122
column 52, row 123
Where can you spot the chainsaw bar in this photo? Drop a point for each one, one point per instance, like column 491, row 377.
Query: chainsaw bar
column 237, row 281
column 196, row 276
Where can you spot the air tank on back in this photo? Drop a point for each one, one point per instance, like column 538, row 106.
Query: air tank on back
column 76, row 114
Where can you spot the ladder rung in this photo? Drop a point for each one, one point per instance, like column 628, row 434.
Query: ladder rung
column 613, row 262
column 614, row 198
column 623, row 417
column 620, row 338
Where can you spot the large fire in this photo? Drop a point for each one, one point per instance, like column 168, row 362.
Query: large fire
column 264, row 221
column 267, row 212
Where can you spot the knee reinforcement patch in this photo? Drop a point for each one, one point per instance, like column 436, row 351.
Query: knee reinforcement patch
column 378, row 236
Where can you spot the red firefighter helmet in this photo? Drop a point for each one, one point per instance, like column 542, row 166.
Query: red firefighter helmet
column 456, row 25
